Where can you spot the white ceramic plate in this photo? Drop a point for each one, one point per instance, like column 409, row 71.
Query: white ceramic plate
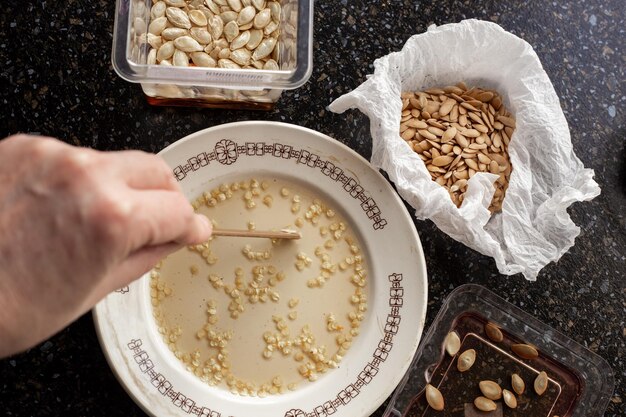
column 379, row 356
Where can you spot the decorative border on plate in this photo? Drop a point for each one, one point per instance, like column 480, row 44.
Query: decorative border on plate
column 347, row 394
column 352, row 390
column 227, row 152
column 163, row 385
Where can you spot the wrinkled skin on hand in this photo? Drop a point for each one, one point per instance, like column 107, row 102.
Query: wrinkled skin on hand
column 76, row 224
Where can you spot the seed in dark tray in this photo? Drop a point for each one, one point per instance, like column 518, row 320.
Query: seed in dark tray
column 525, row 351
column 434, row 398
column 490, row 389
column 518, row 384
column 541, row 383
column 493, row 332
column 509, row 398
column 452, row 343
column 484, row 404
column 466, row 360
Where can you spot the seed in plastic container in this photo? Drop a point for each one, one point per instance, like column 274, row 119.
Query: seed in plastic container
column 434, row 398
column 541, row 383
column 452, row 343
column 466, row 360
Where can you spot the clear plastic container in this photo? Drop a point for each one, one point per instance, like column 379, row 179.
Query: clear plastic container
column 213, row 87
column 580, row 382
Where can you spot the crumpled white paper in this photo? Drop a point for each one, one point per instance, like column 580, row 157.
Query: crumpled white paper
column 533, row 227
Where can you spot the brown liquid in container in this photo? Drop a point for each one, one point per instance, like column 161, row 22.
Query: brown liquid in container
column 212, row 104
column 496, row 362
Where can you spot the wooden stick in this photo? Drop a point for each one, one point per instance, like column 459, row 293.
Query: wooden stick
column 281, row 234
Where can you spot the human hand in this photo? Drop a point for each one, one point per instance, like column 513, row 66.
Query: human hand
column 76, row 224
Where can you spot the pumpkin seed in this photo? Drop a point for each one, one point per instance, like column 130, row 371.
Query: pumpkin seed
column 201, row 35
column 427, row 134
column 485, row 96
column 180, row 59
column 272, row 65
column 446, row 107
column 227, row 63
column 228, row 16
column 256, row 36
column 483, row 159
column 507, row 121
column 449, row 134
column 264, row 49
column 176, row 3
column 154, row 41
column 466, row 360
column 262, row 19
column 470, row 133
column 541, row 383
column 525, row 351
column 494, row 168
column 271, row 29
column 212, row 6
column 165, row 51
column 224, row 53
column 246, row 15
column 257, row 64
column 187, row 44
column 484, row 404
column 202, row 59
column 213, row 52
column 151, row 60
column 231, row 31
column 157, row 25
column 241, row 56
column 518, row 384
column 241, row 40
column 418, row 124
column 158, row 10
column 178, row 17
column 221, row 43
column 216, row 27
column 434, row 398
column 172, row 33
column 408, row 134
column 490, row 389
column 258, row 4
column 442, row 161
column 509, row 398
column 275, row 9
column 452, row 343
column 235, row 5
column 197, row 18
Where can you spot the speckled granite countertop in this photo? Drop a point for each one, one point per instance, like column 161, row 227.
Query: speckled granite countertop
column 56, row 79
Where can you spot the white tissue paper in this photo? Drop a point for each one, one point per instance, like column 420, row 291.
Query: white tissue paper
column 533, row 227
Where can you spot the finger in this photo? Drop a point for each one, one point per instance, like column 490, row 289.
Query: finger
column 33, row 144
column 23, row 137
column 144, row 171
column 138, row 264
column 166, row 216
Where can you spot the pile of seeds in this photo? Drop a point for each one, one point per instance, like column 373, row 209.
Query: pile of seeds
column 458, row 132
column 215, row 33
